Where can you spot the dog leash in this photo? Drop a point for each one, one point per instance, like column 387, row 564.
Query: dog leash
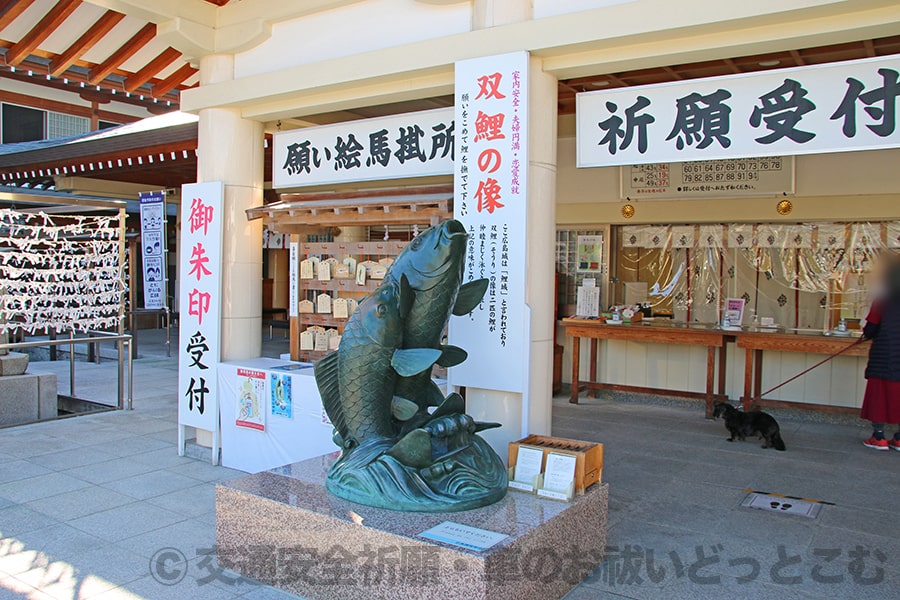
column 807, row 370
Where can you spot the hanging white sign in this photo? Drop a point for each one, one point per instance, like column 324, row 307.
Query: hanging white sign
column 200, row 309
column 490, row 197
column 417, row 144
column 836, row 107
column 153, row 248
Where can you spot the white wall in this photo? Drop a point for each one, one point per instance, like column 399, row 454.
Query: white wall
column 353, row 29
column 551, row 8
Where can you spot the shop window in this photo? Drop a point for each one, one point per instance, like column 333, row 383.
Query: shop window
column 21, row 124
column 575, row 262
column 806, row 276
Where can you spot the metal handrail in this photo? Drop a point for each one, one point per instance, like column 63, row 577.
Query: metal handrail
column 123, row 343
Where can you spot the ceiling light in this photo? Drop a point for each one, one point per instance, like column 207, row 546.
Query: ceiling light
column 769, row 63
column 601, row 83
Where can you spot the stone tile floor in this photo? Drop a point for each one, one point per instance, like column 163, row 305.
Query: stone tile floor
column 87, row 503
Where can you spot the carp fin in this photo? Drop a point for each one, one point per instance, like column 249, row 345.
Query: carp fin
column 407, row 296
column 413, row 449
column 403, row 409
column 452, row 356
column 481, row 426
column 453, row 404
column 414, row 360
column 326, row 371
column 470, row 294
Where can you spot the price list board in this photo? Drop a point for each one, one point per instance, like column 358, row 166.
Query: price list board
column 769, row 176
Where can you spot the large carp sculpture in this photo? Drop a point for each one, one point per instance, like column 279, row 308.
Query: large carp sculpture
column 404, row 446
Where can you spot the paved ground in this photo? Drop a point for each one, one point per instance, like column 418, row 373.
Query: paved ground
column 86, row 502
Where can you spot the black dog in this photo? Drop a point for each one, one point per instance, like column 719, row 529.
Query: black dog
column 741, row 424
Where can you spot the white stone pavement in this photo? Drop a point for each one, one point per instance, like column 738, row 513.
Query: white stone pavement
column 86, row 502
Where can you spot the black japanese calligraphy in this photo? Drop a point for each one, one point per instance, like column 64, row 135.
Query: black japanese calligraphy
column 781, row 110
column 616, row 127
column 702, row 119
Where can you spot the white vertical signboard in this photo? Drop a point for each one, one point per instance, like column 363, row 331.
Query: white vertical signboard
column 200, row 309
column 153, row 248
column 490, row 199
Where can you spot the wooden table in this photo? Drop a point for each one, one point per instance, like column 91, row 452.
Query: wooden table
column 713, row 339
column 754, row 343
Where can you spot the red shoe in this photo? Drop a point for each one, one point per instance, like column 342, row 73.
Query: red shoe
column 881, row 444
column 894, row 444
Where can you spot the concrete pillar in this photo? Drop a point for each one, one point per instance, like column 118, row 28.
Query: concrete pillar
column 541, row 289
column 502, row 407
column 230, row 149
column 491, row 13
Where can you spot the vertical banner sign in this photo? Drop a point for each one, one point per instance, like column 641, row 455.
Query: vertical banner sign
column 200, row 308
column 490, row 199
column 153, row 248
column 294, row 291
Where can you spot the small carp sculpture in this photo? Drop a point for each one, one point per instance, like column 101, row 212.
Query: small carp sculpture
column 404, row 446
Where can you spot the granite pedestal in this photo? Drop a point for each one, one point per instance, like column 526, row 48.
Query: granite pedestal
column 283, row 528
column 26, row 398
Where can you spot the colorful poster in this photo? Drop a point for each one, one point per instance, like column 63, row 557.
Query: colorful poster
column 200, row 308
column 490, row 191
column 250, row 401
column 153, row 248
column 590, row 253
column 280, row 392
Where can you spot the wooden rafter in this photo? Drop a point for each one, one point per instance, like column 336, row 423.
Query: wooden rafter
column 166, row 58
column 11, row 9
column 173, row 80
column 55, row 17
column 128, row 49
column 87, row 41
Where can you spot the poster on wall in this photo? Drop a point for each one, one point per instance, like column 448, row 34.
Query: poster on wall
column 590, row 253
column 833, row 107
column 417, row 144
column 251, row 400
column 200, row 313
column 280, row 392
column 490, row 192
column 153, row 248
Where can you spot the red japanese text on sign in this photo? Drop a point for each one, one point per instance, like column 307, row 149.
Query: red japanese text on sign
column 198, row 261
column 201, row 215
column 198, row 304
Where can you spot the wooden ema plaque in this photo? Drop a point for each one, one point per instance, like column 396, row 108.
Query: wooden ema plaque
column 588, row 456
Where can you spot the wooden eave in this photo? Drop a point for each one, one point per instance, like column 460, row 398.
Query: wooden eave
column 296, row 213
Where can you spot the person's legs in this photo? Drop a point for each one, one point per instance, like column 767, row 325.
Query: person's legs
column 877, row 441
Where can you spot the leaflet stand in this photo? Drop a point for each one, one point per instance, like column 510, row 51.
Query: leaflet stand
column 566, row 495
column 525, row 474
column 558, row 481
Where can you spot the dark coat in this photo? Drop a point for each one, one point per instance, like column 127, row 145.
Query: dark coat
column 883, row 327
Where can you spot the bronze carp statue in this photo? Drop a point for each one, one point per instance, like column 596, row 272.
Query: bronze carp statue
column 404, row 446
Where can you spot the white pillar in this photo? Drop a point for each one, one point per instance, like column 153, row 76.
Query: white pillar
column 541, row 288
column 491, row 13
column 230, row 149
column 503, row 407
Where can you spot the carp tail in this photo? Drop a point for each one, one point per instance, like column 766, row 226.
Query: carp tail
column 451, row 356
column 327, row 380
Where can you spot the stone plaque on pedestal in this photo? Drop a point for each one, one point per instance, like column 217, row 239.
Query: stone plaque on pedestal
column 283, row 528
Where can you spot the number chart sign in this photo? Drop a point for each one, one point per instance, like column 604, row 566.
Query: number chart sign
column 835, row 107
column 200, row 309
column 415, row 144
column 490, row 198
column 153, row 248
column 766, row 176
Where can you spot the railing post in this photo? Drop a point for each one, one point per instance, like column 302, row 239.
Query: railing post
column 72, row 364
column 130, row 378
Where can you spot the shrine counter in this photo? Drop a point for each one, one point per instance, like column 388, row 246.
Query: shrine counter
column 704, row 361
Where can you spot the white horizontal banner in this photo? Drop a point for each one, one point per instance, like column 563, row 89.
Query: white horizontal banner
column 835, row 107
column 414, row 144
